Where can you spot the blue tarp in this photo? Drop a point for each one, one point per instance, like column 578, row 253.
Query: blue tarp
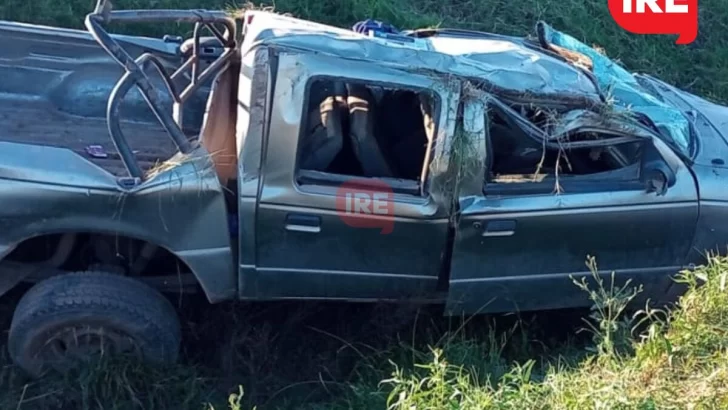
column 363, row 27
column 627, row 93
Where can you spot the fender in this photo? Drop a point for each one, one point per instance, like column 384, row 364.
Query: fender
column 212, row 267
column 181, row 210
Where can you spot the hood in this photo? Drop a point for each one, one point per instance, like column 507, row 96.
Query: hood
column 709, row 120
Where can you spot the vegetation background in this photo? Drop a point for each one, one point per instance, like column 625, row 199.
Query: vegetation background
column 330, row 356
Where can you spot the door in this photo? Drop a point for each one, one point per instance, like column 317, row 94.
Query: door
column 523, row 236
column 323, row 234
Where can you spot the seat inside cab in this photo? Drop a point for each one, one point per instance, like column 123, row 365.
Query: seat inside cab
column 365, row 130
column 349, row 129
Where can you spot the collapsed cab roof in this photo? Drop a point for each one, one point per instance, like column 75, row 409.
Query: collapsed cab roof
column 502, row 65
column 557, row 71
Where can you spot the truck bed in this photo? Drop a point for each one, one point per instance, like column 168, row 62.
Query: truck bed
column 54, row 89
column 38, row 122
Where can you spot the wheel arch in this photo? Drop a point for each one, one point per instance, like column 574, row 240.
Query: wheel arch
column 211, row 267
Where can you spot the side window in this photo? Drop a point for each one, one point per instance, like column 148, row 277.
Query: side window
column 356, row 129
column 516, row 161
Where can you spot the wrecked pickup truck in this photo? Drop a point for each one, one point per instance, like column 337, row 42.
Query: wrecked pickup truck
column 497, row 164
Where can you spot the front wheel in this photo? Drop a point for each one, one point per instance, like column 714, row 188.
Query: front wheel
column 71, row 318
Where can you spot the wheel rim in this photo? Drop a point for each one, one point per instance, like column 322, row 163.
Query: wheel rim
column 74, row 344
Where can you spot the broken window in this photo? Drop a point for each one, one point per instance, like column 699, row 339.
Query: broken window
column 514, row 156
column 364, row 130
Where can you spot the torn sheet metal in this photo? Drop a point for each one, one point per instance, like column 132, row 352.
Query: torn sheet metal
column 623, row 128
column 581, row 121
column 621, row 85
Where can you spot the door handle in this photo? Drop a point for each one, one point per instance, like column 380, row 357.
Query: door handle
column 303, row 223
column 500, row 228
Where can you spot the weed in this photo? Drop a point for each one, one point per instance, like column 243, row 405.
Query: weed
column 684, row 365
column 609, row 326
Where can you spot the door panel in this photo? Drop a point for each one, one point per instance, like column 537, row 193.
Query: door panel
column 517, row 252
column 304, row 248
column 317, row 255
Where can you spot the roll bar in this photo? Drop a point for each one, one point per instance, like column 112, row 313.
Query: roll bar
column 135, row 74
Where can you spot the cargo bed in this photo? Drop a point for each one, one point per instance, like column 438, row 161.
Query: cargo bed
column 54, row 88
column 38, row 122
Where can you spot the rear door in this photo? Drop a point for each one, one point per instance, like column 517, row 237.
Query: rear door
column 309, row 243
column 520, row 238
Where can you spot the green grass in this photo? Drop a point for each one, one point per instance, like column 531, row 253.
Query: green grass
column 324, row 356
column 675, row 361
column 318, row 357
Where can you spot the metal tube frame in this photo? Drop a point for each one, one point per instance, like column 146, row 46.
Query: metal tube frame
column 135, row 70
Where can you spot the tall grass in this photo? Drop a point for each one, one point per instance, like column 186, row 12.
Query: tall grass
column 676, row 360
column 650, row 359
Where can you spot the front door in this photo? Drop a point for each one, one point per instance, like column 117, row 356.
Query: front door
column 324, row 234
column 521, row 238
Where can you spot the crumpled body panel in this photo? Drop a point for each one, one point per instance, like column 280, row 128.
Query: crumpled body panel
column 504, row 67
column 627, row 93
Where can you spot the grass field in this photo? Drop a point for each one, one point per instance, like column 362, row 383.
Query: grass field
column 330, row 356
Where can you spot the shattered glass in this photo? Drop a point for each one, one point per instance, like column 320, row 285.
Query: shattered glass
column 621, row 85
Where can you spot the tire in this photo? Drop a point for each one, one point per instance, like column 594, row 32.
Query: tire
column 71, row 318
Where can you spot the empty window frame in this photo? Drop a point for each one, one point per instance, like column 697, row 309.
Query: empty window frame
column 358, row 129
column 515, row 158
